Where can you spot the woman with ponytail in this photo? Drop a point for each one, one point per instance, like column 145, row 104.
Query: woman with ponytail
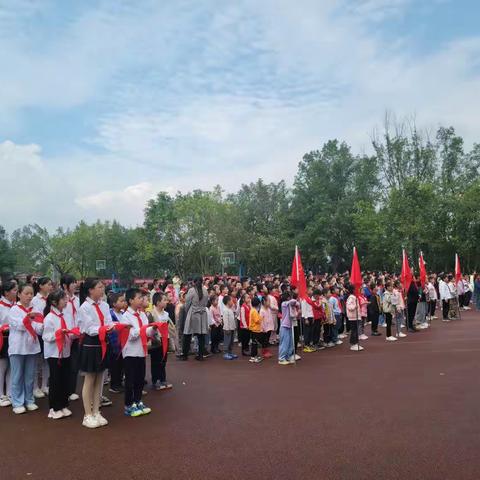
column 95, row 321
column 57, row 336
column 25, row 326
column 8, row 297
column 196, row 321
column 41, row 289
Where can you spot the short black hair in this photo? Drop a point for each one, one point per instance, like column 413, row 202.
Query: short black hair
column 131, row 293
column 226, row 299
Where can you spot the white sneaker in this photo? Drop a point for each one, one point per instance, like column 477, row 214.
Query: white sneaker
column 37, row 393
column 445, row 320
column 19, row 410
column 55, row 415
column 73, row 397
column 297, row 357
column 363, row 337
column 391, row 339
column 338, row 342
column 356, row 348
column 31, row 407
column 5, row 401
column 402, row 335
column 90, row 421
column 66, row 412
column 102, row 421
column 342, row 335
column 330, row 345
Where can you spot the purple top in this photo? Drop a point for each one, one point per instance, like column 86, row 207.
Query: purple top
column 286, row 320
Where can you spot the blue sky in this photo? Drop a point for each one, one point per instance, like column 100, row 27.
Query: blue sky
column 104, row 103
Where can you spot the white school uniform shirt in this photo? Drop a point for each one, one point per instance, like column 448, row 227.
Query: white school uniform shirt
column 70, row 312
column 5, row 307
column 20, row 342
column 39, row 303
column 444, row 290
column 432, row 293
column 133, row 347
column 88, row 320
column 51, row 324
column 307, row 310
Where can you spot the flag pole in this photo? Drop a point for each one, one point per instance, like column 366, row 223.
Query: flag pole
column 293, row 328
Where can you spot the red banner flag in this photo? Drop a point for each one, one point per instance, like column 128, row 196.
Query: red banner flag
column 406, row 276
column 355, row 273
column 423, row 270
column 458, row 270
column 298, row 275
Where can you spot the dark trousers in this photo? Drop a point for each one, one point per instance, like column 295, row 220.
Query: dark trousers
column 388, row 321
column 244, row 337
column 461, row 300
column 354, row 331
column 116, row 370
column 216, row 334
column 327, row 333
column 296, row 336
column 187, row 340
column 74, row 366
column 256, row 341
column 431, row 307
column 307, row 331
column 373, row 317
column 445, row 308
column 134, row 379
column 59, row 383
column 411, row 309
column 158, row 365
column 316, row 331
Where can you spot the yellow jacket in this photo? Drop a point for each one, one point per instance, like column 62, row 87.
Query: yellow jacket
column 255, row 321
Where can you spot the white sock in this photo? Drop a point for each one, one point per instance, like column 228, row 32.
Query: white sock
column 3, row 375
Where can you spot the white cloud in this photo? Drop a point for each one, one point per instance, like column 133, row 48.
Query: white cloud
column 187, row 95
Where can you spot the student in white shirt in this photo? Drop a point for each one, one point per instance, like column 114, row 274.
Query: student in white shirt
column 8, row 293
column 23, row 348
column 69, row 285
column 134, row 353
column 445, row 296
column 42, row 288
column 57, row 327
column 158, row 361
column 93, row 317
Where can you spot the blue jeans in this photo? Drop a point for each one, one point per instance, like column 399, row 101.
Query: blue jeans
column 22, row 373
column 285, row 350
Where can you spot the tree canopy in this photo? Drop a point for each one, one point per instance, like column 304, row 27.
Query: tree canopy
column 413, row 192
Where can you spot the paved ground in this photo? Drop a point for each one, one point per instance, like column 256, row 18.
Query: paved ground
column 395, row 411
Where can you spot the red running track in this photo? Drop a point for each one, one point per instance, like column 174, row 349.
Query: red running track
column 403, row 410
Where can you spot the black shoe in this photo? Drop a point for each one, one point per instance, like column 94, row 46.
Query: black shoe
column 115, row 389
column 412, row 330
column 199, row 358
column 376, row 334
column 183, row 358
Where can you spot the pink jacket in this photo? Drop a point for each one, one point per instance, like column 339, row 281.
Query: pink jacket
column 353, row 308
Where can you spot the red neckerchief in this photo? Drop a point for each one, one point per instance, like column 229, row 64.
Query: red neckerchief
column 100, row 315
column 162, row 328
column 5, row 304
column 72, row 302
column 27, row 321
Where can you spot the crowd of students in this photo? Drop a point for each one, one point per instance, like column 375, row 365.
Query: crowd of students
column 52, row 334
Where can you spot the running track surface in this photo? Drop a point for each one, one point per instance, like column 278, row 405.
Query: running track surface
column 399, row 410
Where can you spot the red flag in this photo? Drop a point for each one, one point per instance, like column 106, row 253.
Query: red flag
column 355, row 273
column 458, row 270
column 406, row 276
column 423, row 271
column 298, row 275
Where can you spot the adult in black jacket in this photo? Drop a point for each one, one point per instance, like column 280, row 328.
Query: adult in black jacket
column 412, row 301
column 374, row 310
